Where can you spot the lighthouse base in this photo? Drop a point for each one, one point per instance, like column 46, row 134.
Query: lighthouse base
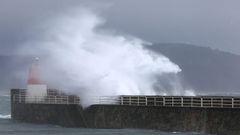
column 36, row 92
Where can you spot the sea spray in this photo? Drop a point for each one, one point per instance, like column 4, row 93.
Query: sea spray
column 5, row 116
column 78, row 55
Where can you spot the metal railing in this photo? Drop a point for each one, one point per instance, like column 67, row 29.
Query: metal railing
column 174, row 101
column 161, row 101
column 58, row 99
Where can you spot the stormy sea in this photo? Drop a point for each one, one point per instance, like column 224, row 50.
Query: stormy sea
column 11, row 127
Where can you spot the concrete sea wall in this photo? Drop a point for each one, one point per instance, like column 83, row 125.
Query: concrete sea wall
column 216, row 121
column 220, row 121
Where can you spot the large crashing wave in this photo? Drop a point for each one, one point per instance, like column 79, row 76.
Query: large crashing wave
column 78, row 55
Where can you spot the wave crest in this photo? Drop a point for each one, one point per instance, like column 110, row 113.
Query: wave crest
column 8, row 116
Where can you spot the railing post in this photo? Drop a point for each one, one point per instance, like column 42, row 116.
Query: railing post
column 121, row 100
column 154, row 101
column 211, row 102
column 232, row 102
column 221, row 102
column 130, row 100
column 201, row 102
column 138, row 100
column 163, row 101
column 191, row 102
column 145, row 100
column 181, row 101
column 55, row 99
column 172, row 101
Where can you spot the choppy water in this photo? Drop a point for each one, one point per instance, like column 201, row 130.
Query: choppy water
column 10, row 127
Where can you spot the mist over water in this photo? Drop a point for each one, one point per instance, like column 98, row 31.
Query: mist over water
column 78, row 55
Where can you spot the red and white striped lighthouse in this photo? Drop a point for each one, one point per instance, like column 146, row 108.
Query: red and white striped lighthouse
column 34, row 73
column 36, row 90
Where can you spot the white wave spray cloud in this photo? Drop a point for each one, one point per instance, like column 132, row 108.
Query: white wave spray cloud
column 80, row 56
column 5, row 116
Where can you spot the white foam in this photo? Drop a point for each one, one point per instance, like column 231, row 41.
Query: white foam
column 5, row 116
column 92, row 61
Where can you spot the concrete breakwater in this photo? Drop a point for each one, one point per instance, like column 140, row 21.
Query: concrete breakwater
column 221, row 121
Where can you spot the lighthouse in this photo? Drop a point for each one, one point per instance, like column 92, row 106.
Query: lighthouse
column 36, row 89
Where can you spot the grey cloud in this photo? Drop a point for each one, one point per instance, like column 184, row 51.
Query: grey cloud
column 212, row 23
column 208, row 23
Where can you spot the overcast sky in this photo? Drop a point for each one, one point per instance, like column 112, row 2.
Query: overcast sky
column 213, row 23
